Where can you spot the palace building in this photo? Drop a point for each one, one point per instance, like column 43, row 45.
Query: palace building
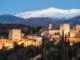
column 72, row 34
column 15, row 35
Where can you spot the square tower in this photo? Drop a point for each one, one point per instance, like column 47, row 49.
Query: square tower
column 15, row 34
column 50, row 26
column 64, row 28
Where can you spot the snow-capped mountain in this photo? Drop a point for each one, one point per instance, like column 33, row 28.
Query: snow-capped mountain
column 42, row 18
column 51, row 12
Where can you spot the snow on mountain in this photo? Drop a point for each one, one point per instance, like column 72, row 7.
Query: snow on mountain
column 51, row 12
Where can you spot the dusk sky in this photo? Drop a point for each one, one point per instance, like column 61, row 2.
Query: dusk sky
column 17, row 6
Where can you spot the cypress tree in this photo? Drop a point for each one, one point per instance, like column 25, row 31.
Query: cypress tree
column 44, row 49
column 63, row 47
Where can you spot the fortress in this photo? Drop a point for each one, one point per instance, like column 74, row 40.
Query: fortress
column 15, row 35
column 72, row 34
column 55, row 34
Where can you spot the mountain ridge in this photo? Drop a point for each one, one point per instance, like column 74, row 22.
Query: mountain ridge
column 38, row 21
column 50, row 12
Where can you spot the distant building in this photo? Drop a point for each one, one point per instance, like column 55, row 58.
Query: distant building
column 15, row 34
column 38, row 39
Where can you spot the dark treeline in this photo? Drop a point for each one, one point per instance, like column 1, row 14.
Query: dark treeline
column 4, row 28
column 19, row 52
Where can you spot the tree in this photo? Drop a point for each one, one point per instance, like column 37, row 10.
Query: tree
column 64, row 48
column 44, row 49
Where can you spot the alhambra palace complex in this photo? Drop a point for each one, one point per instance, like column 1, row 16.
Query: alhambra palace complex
column 72, row 34
column 15, row 35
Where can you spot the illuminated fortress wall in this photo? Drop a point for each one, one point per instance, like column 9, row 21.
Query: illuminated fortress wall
column 72, row 33
column 38, row 39
column 75, row 32
column 53, row 32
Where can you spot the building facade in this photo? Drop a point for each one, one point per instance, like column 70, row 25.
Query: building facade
column 15, row 34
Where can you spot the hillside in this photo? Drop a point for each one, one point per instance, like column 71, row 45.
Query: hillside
column 39, row 21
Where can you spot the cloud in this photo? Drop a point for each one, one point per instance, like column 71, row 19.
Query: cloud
column 50, row 12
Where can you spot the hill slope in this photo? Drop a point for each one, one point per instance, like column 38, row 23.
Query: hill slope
column 39, row 21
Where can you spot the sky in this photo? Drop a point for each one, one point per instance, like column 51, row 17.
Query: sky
column 17, row 6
